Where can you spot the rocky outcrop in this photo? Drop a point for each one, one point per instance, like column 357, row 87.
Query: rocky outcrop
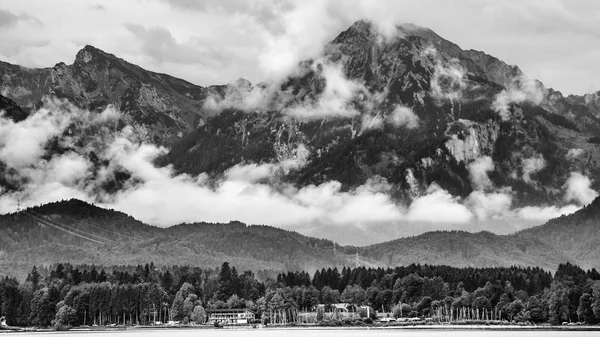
column 10, row 109
column 472, row 140
column 591, row 101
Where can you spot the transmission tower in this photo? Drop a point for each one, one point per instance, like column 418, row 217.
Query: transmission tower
column 357, row 259
column 334, row 251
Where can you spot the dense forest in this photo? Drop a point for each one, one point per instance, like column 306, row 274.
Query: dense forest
column 65, row 295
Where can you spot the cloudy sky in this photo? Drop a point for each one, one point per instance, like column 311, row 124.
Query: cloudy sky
column 213, row 42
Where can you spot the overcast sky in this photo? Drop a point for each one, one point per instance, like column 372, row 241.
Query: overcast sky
column 213, row 42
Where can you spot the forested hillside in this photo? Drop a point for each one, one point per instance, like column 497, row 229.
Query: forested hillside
column 576, row 235
column 80, row 233
column 76, row 232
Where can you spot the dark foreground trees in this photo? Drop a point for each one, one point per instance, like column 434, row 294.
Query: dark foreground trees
column 66, row 295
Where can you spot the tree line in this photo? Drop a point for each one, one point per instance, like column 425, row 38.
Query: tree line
column 67, row 295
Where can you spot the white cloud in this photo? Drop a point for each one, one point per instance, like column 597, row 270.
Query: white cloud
column 522, row 90
column 545, row 213
column 438, row 206
column 336, row 98
column 479, row 170
column 579, row 189
column 22, row 144
column 403, row 115
column 574, row 153
column 532, row 165
column 251, row 172
column 448, row 81
column 243, row 96
column 248, row 192
column 489, row 205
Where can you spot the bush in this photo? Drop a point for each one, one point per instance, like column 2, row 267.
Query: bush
column 368, row 320
column 186, row 320
column 327, row 322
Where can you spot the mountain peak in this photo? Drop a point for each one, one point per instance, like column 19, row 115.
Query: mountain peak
column 90, row 53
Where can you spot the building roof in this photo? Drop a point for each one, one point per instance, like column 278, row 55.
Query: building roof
column 230, row 310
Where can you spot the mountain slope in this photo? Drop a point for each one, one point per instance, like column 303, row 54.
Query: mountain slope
column 576, row 235
column 76, row 232
column 11, row 109
column 463, row 249
column 421, row 110
column 160, row 105
column 573, row 238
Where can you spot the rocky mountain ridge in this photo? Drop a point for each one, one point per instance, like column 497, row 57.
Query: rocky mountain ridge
column 405, row 112
column 160, row 105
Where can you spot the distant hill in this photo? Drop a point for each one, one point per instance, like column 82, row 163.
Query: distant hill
column 80, row 233
column 576, row 235
column 77, row 232
column 464, row 249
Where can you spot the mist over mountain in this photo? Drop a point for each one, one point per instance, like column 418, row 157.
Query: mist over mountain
column 382, row 135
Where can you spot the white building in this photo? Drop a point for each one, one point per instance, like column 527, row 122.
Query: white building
column 231, row 316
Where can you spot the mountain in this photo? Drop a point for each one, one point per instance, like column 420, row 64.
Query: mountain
column 419, row 111
column 160, row 105
column 80, row 233
column 405, row 111
column 412, row 108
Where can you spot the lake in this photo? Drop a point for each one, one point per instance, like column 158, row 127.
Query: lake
column 315, row 332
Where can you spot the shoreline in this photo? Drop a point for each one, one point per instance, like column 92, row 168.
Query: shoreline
column 437, row 327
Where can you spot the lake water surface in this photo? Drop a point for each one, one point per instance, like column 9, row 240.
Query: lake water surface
column 319, row 333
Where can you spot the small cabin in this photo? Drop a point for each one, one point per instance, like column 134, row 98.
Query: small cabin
column 231, row 316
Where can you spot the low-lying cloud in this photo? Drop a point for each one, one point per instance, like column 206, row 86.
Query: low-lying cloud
column 579, row 189
column 523, row 89
column 250, row 192
column 531, row 166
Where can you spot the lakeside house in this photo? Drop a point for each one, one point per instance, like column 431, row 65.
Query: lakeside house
column 344, row 307
column 231, row 316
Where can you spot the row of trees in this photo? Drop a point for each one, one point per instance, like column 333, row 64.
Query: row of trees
column 69, row 296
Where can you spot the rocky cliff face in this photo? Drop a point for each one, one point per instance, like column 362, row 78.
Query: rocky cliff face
column 469, row 140
column 591, row 101
column 10, row 109
column 163, row 106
